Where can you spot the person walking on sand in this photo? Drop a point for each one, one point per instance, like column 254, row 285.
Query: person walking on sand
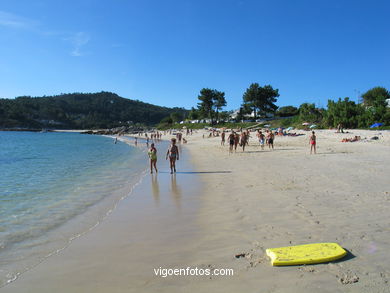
column 152, row 153
column 236, row 141
column 243, row 140
column 261, row 140
column 271, row 138
column 223, row 138
column 232, row 140
column 173, row 154
column 267, row 136
column 313, row 142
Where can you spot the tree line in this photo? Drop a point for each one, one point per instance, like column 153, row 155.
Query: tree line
column 259, row 101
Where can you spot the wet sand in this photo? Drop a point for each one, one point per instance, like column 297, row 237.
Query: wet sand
column 152, row 227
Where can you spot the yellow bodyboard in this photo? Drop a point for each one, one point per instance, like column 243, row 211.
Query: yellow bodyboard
column 305, row 254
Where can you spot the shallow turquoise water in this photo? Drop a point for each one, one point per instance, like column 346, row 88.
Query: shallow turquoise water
column 48, row 180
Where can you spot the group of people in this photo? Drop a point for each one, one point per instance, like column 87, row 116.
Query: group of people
column 266, row 138
column 242, row 139
column 234, row 140
column 172, row 154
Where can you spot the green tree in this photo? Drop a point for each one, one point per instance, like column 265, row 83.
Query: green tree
column 211, row 102
column 344, row 112
column 287, row 111
column 309, row 113
column 375, row 101
column 260, row 99
column 219, row 101
column 225, row 115
column 206, row 103
column 176, row 117
column 376, row 97
column 194, row 114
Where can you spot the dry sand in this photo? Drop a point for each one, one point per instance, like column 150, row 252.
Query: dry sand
column 249, row 202
column 289, row 197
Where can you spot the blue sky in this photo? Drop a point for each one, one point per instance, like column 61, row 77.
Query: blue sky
column 164, row 52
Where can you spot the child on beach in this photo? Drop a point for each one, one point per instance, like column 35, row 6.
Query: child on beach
column 152, row 153
column 173, row 154
column 312, row 143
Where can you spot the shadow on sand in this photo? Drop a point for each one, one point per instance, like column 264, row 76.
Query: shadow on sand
column 334, row 153
column 202, row 172
column 268, row 150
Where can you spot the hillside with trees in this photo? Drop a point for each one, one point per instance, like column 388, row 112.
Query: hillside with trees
column 80, row 111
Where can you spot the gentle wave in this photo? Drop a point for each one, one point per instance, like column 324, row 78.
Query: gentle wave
column 73, row 183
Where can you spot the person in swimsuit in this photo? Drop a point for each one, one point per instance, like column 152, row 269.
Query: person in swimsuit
column 267, row 136
column 271, row 140
column 232, row 139
column 173, row 154
column 243, row 140
column 152, row 153
column 223, row 138
column 236, row 141
column 261, row 140
column 313, row 142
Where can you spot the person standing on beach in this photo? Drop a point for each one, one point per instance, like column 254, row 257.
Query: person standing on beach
column 152, row 153
column 173, row 154
column 236, row 141
column 231, row 139
column 223, row 138
column 261, row 140
column 243, row 140
column 271, row 140
column 267, row 136
column 313, row 142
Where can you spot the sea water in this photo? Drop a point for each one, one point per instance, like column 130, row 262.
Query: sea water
column 55, row 187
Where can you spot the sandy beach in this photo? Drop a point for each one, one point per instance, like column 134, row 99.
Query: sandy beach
column 220, row 205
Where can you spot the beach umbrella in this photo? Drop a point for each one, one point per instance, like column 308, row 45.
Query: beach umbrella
column 376, row 125
column 313, row 126
column 305, row 123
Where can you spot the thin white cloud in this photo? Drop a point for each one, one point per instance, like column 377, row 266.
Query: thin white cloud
column 78, row 40
column 14, row 21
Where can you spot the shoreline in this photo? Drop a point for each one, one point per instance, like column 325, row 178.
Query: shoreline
column 142, row 225
column 247, row 202
column 58, row 238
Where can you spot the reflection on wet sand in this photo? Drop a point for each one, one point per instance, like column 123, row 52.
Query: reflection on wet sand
column 175, row 191
column 155, row 189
